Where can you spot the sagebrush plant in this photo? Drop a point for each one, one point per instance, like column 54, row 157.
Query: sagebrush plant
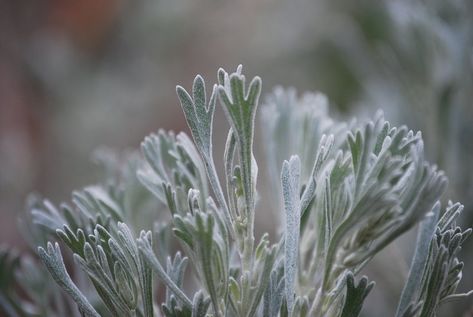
column 344, row 192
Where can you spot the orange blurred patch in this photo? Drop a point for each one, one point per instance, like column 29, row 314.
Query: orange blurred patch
column 86, row 22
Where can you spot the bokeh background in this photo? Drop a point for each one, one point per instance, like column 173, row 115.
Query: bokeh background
column 79, row 75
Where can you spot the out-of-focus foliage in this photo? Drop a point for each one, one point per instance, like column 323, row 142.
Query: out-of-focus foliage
column 414, row 59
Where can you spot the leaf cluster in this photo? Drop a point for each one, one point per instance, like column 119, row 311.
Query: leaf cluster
column 163, row 236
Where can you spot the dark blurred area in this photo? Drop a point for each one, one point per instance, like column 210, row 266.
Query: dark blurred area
column 78, row 75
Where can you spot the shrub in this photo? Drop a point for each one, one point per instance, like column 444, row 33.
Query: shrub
column 347, row 191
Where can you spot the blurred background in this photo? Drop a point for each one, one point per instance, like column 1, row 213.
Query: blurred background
column 79, row 75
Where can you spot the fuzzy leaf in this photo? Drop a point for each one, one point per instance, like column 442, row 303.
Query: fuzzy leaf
column 426, row 231
column 290, row 180
column 144, row 245
column 52, row 258
column 240, row 109
column 355, row 296
column 199, row 118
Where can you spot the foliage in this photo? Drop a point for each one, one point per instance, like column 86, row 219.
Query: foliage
column 347, row 191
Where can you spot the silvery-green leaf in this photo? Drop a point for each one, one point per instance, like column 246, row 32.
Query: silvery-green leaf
column 413, row 283
column 144, row 245
column 290, row 181
column 240, row 107
column 52, row 258
column 199, row 117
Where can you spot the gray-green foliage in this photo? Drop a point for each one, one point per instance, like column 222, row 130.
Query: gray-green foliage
column 345, row 193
